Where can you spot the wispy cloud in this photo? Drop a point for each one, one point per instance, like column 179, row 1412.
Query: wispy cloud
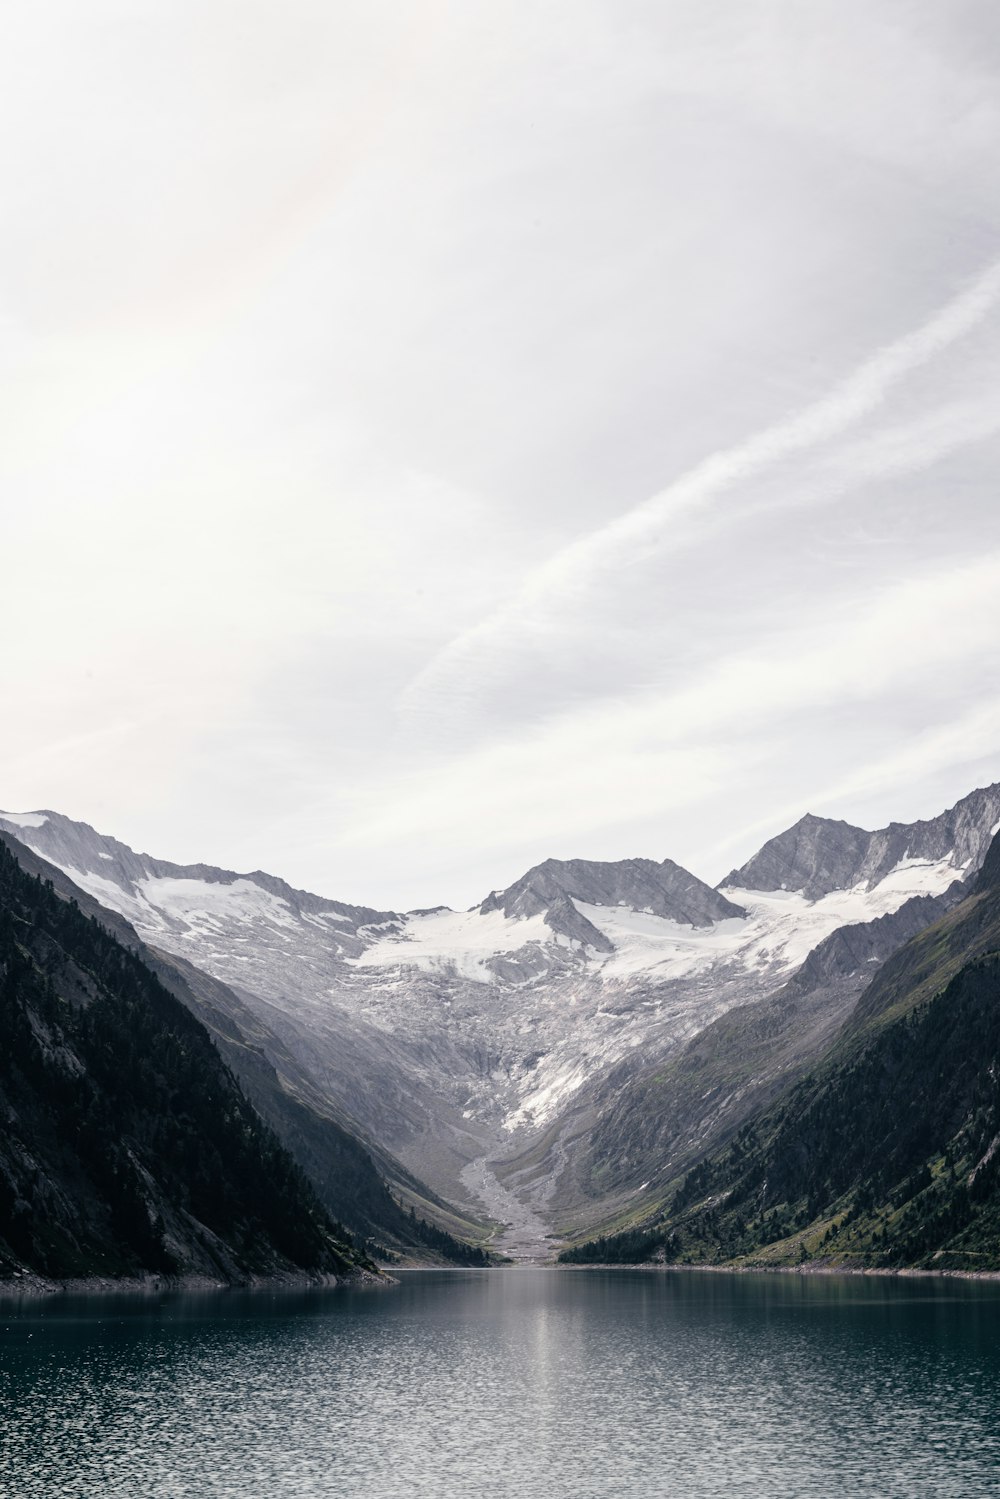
column 570, row 582
column 967, row 744
column 640, row 759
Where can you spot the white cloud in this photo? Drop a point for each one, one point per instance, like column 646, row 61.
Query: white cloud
column 572, row 580
column 954, row 756
column 619, row 762
column 338, row 343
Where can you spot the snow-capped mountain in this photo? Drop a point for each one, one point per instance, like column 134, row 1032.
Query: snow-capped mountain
column 818, row 855
column 453, row 1036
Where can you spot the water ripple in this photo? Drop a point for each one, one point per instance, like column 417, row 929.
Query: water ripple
column 530, row 1383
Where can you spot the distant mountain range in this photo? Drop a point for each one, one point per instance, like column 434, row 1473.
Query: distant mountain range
column 558, row 1052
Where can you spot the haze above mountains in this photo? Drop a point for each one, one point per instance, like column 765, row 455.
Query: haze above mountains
column 487, row 1050
column 453, row 441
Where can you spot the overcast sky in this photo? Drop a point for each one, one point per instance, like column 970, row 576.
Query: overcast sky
column 438, row 436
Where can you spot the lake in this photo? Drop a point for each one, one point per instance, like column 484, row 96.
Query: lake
column 518, row 1382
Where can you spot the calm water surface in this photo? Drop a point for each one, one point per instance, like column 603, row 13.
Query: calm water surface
column 526, row 1382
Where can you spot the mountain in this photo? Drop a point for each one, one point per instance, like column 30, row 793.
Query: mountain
column 553, row 889
column 653, row 1125
column 361, row 1186
column 128, row 1147
column 660, row 1109
column 512, row 1055
column 887, row 1153
column 817, row 855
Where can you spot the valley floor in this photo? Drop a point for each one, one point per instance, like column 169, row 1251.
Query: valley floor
column 526, row 1236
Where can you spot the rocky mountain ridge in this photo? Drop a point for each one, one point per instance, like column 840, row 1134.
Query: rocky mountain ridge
column 463, row 1038
column 817, row 854
column 665, row 889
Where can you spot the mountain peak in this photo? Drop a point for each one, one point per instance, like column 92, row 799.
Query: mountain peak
column 817, row 855
column 664, row 889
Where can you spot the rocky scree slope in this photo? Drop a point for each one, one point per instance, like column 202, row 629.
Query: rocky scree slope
column 127, row 1146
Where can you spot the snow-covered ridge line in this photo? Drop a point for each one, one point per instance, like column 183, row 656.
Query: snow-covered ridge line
column 445, row 1030
column 780, row 929
column 777, row 931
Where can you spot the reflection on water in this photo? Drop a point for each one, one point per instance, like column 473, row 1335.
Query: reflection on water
column 518, row 1382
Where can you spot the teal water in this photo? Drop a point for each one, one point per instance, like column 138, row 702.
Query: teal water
column 541, row 1384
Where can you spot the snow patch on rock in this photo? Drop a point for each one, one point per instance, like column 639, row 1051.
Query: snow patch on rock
column 459, row 942
column 24, row 819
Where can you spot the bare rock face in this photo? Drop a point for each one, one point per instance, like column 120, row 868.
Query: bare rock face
column 815, row 855
column 562, row 917
column 663, row 889
column 818, row 855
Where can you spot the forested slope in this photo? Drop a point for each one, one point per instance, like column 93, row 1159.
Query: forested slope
column 888, row 1153
column 127, row 1145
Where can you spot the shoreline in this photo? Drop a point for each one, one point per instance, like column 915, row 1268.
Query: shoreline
column 907, row 1272
column 29, row 1286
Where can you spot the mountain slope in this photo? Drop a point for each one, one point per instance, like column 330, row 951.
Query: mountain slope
column 889, row 1152
column 923, row 966
column 483, row 1048
column 658, row 1122
column 360, row 1184
column 127, row 1145
column 341, row 1168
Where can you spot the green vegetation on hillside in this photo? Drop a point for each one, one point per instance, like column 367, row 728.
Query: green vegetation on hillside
column 888, row 1153
column 633, row 1247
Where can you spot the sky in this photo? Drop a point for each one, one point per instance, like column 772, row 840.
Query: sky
column 441, row 436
